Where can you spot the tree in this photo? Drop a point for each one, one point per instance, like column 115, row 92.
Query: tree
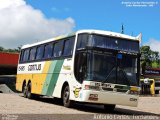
column 145, row 57
column 149, row 58
column 1, row 48
column 17, row 50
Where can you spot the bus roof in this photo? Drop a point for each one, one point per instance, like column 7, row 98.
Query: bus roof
column 100, row 32
column 109, row 33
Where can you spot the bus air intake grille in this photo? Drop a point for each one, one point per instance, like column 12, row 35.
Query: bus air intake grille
column 107, row 89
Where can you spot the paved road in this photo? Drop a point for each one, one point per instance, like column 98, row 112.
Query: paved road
column 17, row 106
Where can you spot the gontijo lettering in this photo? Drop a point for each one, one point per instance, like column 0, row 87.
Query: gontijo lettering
column 34, row 67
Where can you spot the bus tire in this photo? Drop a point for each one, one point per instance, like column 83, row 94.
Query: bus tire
column 29, row 94
column 109, row 107
column 65, row 97
column 24, row 90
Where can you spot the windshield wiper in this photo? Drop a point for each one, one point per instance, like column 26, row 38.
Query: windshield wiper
column 123, row 72
column 108, row 75
column 125, row 76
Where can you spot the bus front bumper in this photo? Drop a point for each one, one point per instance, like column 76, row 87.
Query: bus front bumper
column 103, row 97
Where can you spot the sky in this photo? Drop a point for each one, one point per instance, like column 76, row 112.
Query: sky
column 29, row 21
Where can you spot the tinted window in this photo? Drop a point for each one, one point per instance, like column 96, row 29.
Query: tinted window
column 82, row 41
column 103, row 42
column 80, row 66
column 128, row 45
column 101, row 66
column 40, row 50
column 21, row 56
column 68, row 47
column 32, row 54
column 48, row 51
column 58, row 49
column 114, row 43
column 26, row 55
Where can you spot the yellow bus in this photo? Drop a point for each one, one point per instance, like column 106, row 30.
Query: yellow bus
column 88, row 66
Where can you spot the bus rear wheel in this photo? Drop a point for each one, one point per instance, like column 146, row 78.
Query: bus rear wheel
column 24, row 90
column 109, row 108
column 29, row 94
column 66, row 93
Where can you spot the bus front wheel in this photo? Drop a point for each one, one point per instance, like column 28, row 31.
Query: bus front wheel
column 109, row 108
column 65, row 97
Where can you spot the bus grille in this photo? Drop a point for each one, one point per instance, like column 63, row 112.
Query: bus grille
column 115, row 89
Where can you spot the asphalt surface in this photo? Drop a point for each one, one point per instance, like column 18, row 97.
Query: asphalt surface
column 16, row 107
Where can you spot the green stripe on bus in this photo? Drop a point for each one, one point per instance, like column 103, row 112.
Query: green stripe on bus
column 52, row 78
column 48, row 78
column 55, row 76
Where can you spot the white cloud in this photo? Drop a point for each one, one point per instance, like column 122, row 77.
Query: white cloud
column 21, row 24
column 154, row 44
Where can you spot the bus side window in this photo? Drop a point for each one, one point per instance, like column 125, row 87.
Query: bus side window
column 48, row 50
column 26, row 55
column 40, row 51
column 21, row 56
column 32, row 54
column 68, row 47
column 58, row 49
column 80, row 66
column 82, row 41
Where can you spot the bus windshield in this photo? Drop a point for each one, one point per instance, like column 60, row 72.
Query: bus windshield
column 111, row 69
column 106, row 59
